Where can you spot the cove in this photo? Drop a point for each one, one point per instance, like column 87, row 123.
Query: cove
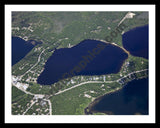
column 108, row 60
column 131, row 99
column 20, row 48
column 136, row 41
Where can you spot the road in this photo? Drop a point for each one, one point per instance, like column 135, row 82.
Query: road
column 75, row 86
column 50, row 106
column 35, row 95
column 38, row 96
column 128, row 15
column 39, row 58
column 131, row 74
column 28, row 108
column 98, row 82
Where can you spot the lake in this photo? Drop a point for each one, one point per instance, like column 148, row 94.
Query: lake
column 89, row 57
column 131, row 99
column 136, row 41
column 20, row 48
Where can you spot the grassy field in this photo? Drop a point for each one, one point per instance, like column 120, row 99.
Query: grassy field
column 75, row 100
column 64, row 29
column 20, row 101
column 61, row 29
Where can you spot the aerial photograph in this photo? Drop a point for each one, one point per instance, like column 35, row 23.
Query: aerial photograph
column 80, row 63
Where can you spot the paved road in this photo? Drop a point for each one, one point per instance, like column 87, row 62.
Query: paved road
column 132, row 73
column 39, row 58
column 98, row 82
column 77, row 86
column 49, row 102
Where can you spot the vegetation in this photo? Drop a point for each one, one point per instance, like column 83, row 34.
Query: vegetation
column 66, row 29
column 38, row 89
column 77, row 99
column 39, row 108
column 20, row 101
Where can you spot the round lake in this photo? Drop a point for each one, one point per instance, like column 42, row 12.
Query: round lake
column 89, row 57
column 136, row 41
column 131, row 99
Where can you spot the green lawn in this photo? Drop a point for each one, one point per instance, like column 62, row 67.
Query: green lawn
column 20, row 100
column 74, row 101
column 59, row 29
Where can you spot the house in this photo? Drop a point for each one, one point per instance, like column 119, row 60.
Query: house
column 43, row 103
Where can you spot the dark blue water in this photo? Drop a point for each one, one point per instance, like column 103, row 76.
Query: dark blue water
column 81, row 60
column 136, row 41
column 131, row 99
column 20, row 48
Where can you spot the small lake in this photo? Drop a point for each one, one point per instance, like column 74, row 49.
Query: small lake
column 131, row 99
column 63, row 61
column 20, row 48
column 136, row 41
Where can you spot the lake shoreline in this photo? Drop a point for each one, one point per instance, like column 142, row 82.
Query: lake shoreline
column 88, row 110
column 90, row 52
column 137, row 46
column 32, row 41
column 96, row 100
column 21, row 47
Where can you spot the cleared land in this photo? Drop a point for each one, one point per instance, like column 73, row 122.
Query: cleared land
column 66, row 29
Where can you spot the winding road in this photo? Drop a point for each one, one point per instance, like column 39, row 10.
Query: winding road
column 60, row 92
column 99, row 81
column 39, row 58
